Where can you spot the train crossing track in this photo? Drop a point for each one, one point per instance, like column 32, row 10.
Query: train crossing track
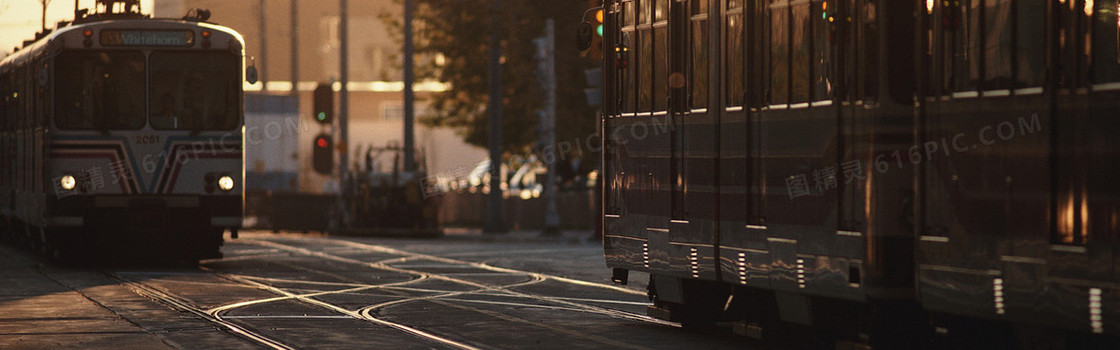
column 382, row 287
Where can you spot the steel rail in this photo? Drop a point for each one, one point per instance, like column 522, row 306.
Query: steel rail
column 160, row 296
column 382, row 265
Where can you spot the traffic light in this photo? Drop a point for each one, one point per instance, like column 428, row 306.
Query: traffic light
column 590, row 31
column 596, row 50
column 323, row 101
column 322, row 155
column 599, row 22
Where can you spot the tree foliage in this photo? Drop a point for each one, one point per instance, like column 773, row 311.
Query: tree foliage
column 458, row 30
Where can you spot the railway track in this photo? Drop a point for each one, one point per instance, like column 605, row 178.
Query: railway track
column 187, row 306
column 470, row 287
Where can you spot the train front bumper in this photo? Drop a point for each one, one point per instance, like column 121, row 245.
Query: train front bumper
column 146, row 212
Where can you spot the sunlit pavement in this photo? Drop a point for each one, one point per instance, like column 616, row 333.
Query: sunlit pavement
column 466, row 290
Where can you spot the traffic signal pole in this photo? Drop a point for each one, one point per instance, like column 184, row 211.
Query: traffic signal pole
column 264, row 45
column 294, row 31
column 409, row 95
column 343, row 113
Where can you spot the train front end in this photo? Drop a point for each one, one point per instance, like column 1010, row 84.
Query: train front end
column 144, row 147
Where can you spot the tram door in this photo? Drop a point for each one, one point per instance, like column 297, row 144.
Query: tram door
column 641, row 136
column 682, row 233
column 694, row 105
column 799, row 149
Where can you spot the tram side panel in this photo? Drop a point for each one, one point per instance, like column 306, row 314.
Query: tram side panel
column 24, row 103
column 782, row 155
column 820, row 220
column 1016, row 218
column 693, row 46
column 637, row 147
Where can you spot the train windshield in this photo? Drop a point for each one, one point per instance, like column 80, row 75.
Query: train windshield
column 101, row 90
column 194, row 90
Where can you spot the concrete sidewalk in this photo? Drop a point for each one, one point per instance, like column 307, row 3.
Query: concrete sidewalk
column 51, row 307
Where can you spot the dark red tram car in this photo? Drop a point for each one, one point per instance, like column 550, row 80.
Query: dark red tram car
column 909, row 161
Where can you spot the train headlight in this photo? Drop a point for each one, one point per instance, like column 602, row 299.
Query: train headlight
column 67, row 182
column 225, row 183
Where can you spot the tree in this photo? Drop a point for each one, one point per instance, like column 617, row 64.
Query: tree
column 451, row 42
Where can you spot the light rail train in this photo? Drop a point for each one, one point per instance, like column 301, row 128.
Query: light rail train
column 906, row 169
column 121, row 131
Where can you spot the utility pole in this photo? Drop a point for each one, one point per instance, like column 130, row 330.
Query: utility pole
column 264, row 46
column 409, row 95
column 43, row 19
column 295, row 51
column 495, row 213
column 546, row 55
column 343, row 113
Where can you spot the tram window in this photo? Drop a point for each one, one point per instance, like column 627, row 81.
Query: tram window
column 1073, row 44
column 757, row 49
column 800, row 75
column 734, row 58
column 1030, row 46
column 5, row 101
column 9, row 100
column 629, row 14
column 961, row 41
column 661, row 56
column 957, row 37
column 5, row 162
column 1066, row 65
column 699, row 40
column 824, row 13
column 630, row 74
column 100, row 90
column 644, row 51
column 194, row 91
column 801, row 64
column 42, row 95
column 930, row 41
column 972, row 49
column 661, row 59
column 998, row 42
column 779, row 52
column 699, row 6
column 1106, row 28
column 644, row 12
column 645, row 69
column 868, row 41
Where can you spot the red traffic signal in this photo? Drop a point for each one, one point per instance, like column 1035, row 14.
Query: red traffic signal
column 322, row 155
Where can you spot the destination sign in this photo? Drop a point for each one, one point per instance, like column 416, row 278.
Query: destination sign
column 116, row 37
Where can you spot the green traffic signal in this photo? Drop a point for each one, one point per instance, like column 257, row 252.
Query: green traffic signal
column 323, row 103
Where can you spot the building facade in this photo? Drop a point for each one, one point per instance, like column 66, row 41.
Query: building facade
column 375, row 89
